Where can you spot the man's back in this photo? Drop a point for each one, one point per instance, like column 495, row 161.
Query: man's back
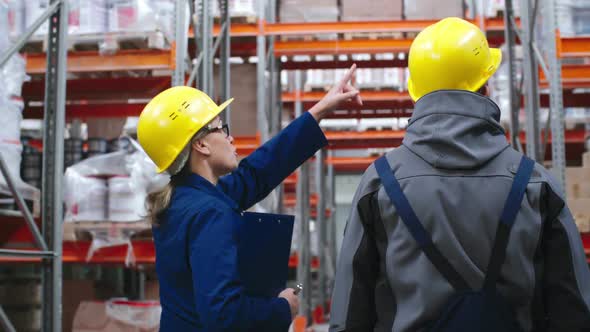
column 456, row 169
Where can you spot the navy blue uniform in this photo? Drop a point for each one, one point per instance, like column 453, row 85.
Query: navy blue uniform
column 196, row 240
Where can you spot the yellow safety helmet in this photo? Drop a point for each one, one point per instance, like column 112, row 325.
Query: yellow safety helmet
column 171, row 119
column 451, row 54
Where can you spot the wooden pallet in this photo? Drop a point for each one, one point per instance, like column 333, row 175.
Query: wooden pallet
column 8, row 206
column 84, row 230
column 373, row 35
column 104, row 42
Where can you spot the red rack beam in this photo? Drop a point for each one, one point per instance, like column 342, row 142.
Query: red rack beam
column 103, row 89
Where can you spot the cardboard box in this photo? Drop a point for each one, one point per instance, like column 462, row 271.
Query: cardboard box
column 74, row 293
column 243, row 109
column 580, row 209
column 308, row 11
column 577, row 182
column 432, row 9
column 152, row 290
column 374, row 10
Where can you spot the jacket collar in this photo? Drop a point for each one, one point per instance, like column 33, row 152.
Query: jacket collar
column 203, row 185
column 452, row 129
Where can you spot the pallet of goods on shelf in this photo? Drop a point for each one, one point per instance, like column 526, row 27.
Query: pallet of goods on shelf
column 106, row 25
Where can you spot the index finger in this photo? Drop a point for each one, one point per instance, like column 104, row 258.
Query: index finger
column 347, row 76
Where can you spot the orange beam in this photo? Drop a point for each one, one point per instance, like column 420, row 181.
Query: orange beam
column 575, row 47
column 91, row 61
column 350, row 164
column 310, row 28
column 368, row 95
column 246, row 145
column 570, row 47
column 493, row 24
column 290, row 48
column 365, row 139
column 236, row 30
column 572, row 76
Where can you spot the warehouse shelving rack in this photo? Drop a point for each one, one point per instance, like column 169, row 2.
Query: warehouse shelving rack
column 50, row 243
column 268, row 50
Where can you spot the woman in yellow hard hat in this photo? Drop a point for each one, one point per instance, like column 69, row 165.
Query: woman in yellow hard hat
column 197, row 215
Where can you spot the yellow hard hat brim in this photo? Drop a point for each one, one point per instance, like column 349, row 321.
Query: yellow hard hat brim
column 212, row 116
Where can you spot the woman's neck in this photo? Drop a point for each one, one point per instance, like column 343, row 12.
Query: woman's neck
column 203, row 169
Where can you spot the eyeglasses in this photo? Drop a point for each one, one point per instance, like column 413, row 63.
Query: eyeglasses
column 224, row 128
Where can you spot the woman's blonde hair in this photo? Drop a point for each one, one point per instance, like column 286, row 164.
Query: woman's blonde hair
column 158, row 201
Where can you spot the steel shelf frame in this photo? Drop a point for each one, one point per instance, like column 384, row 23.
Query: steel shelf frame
column 539, row 54
column 202, row 73
column 50, row 244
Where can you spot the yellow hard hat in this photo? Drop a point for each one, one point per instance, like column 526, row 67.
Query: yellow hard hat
column 171, row 119
column 452, row 54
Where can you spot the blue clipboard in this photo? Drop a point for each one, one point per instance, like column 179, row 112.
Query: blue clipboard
column 264, row 248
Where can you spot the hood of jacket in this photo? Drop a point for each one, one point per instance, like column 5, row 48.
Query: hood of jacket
column 452, row 129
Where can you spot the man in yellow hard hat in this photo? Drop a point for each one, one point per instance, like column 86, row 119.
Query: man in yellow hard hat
column 211, row 279
column 455, row 230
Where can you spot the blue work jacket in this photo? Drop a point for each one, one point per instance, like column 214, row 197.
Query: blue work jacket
column 196, row 240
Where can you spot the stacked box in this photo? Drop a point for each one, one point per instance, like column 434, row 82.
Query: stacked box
column 237, row 8
column 578, row 195
column 308, row 11
column 243, row 109
column 432, row 9
column 376, row 10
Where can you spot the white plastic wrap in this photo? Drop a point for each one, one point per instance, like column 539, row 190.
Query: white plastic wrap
column 34, row 9
column 11, row 147
column 87, row 17
column 4, row 26
column 135, row 168
column 140, row 314
column 141, row 15
column 16, row 17
column 13, row 75
column 88, row 199
column 82, row 189
column 124, row 202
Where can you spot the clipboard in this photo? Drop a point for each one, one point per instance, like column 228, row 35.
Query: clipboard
column 264, row 248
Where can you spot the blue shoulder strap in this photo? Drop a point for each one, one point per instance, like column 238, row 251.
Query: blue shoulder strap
column 511, row 207
column 424, row 240
column 409, row 218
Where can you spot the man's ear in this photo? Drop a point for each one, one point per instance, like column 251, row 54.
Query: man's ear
column 201, row 146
